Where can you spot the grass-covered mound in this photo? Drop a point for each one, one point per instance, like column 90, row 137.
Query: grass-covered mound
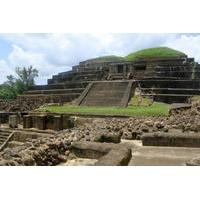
column 154, row 52
column 111, row 58
column 156, row 109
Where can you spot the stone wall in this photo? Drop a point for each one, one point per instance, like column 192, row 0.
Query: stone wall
column 47, row 121
column 171, row 139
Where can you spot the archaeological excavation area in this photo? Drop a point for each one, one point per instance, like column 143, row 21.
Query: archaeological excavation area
column 32, row 135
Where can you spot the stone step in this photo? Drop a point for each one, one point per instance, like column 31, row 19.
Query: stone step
column 53, row 98
column 2, row 140
column 113, row 100
column 66, row 85
column 45, row 95
column 3, row 136
column 169, row 98
column 169, row 95
column 55, row 91
column 64, row 74
column 75, row 75
column 12, row 144
column 169, row 83
column 185, row 91
column 106, row 93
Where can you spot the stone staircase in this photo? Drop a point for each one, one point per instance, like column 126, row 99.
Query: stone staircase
column 5, row 137
column 63, row 87
column 107, row 93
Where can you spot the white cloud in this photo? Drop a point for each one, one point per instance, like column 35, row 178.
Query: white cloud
column 53, row 53
column 189, row 44
column 4, row 71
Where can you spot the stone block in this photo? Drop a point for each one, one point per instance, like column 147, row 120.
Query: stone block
column 27, row 121
column 13, row 121
column 193, row 162
column 92, row 150
column 50, row 122
column 34, row 120
column 107, row 154
column 171, row 139
column 66, row 122
column 108, row 137
column 115, row 157
column 40, row 122
column 57, row 122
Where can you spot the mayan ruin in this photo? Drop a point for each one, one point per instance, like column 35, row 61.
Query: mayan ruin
column 140, row 109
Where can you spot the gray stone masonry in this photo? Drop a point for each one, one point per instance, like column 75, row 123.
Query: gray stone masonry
column 13, row 121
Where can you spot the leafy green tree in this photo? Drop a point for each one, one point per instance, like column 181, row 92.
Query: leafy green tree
column 14, row 86
column 26, row 77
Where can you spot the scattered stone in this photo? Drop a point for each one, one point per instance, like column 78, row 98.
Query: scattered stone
column 108, row 137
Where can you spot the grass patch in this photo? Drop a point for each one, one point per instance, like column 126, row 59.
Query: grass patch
column 154, row 52
column 156, row 109
column 111, row 58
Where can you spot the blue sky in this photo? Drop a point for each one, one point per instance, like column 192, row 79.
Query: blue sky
column 54, row 53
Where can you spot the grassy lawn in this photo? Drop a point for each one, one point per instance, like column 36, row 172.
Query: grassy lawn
column 144, row 53
column 154, row 52
column 156, row 109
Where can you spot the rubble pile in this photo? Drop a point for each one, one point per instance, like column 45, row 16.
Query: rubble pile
column 48, row 151
column 20, row 106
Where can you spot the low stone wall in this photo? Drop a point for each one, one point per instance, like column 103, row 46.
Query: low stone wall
column 115, row 157
column 171, row 139
column 47, row 121
column 22, row 136
column 193, row 162
column 107, row 154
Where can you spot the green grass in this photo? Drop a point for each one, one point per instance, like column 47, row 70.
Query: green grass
column 156, row 109
column 154, row 52
column 111, row 58
column 144, row 53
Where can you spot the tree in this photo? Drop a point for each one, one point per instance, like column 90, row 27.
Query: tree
column 14, row 86
column 26, row 77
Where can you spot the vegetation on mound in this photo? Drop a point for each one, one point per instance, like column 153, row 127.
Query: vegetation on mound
column 194, row 99
column 156, row 109
column 111, row 58
column 154, row 52
column 142, row 54
column 137, row 100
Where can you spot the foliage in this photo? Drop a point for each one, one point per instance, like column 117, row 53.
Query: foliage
column 156, row 109
column 154, row 52
column 14, row 86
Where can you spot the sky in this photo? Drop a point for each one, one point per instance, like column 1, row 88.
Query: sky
column 54, row 53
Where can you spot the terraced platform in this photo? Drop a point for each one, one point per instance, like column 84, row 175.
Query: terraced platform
column 169, row 80
column 54, row 93
column 170, row 90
